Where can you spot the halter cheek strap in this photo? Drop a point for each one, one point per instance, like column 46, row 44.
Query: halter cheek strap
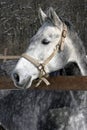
column 64, row 32
column 41, row 66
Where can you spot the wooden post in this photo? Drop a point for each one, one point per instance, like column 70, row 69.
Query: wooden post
column 5, row 53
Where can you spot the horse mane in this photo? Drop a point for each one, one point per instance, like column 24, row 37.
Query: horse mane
column 67, row 22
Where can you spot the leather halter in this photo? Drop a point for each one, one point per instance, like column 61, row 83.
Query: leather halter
column 59, row 46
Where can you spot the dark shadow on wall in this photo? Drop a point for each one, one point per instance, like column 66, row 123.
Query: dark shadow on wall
column 1, row 128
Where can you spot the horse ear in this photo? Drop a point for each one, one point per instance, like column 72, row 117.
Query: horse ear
column 42, row 15
column 54, row 17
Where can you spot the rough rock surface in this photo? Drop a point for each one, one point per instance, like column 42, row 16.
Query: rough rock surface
column 43, row 110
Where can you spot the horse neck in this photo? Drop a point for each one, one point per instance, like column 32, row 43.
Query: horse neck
column 76, row 51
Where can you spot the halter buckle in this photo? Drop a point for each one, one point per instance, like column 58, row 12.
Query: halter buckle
column 64, row 33
column 57, row 47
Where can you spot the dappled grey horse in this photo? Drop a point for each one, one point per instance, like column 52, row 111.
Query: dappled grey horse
column 50, row 49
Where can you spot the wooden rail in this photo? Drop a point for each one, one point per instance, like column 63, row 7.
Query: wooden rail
column 57, row 83
column 9, row 57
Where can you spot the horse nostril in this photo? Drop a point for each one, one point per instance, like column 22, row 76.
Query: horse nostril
column 16, row 77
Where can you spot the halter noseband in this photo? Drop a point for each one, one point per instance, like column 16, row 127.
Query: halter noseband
column 41, row 66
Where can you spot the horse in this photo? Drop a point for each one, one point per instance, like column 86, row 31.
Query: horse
column 53, row 46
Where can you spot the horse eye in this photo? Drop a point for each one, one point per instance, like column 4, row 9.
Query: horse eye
column 45, row 41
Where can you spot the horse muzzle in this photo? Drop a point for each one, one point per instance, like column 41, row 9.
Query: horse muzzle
column 21, row 82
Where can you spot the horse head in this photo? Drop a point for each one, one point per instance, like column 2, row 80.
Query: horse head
column 49, row 50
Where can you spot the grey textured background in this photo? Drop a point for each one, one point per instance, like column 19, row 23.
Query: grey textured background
column 19, row 20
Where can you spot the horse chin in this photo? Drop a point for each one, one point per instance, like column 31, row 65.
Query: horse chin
column 28, row 84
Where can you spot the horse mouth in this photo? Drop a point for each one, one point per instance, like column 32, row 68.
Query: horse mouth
column 24, row 85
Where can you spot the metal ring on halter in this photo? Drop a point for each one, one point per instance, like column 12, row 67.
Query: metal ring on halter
column 40, row 67
column 42, row 71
